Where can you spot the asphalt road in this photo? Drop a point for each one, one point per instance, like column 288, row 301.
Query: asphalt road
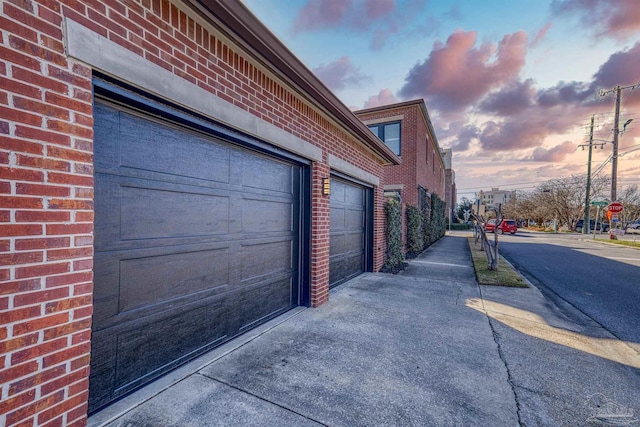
column 600, row 280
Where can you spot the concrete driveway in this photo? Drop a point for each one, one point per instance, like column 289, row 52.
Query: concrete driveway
column 385, row 350
column 427, row 347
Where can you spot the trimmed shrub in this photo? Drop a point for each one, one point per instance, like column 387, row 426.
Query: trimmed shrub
column 395, row 259
column 415, row 235
column 459, row 226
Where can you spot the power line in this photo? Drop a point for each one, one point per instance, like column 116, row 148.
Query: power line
column 616, row 133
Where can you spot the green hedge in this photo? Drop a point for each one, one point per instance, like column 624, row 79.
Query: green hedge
column 415, row 235
column 395, row 259
column 433, row 223
column 459, row 226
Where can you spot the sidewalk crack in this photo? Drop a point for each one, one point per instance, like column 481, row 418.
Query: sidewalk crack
column 496, row 339
column 262, row 398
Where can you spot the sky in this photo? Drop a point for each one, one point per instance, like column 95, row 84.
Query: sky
column 510, row 85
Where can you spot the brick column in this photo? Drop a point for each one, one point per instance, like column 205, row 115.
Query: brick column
column 320, row 229
column 46, row 222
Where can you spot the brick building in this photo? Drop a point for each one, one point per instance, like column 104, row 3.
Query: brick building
column 406, row 128
column 170, row 176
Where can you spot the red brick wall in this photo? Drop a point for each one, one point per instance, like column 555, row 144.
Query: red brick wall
column 46, row 181
column 414, row 170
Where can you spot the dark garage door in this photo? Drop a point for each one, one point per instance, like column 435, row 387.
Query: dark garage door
column 196, row 241
column 348, row 242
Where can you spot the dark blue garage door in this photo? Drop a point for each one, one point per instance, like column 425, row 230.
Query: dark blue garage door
column 196, row 241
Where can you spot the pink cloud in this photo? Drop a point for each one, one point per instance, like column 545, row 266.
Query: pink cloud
column 541, row 34
column 339, row 74
column 530, row 127
column 622, row 68
column 349, row 14
column 619, row 19
column 458, row 74
column 384, row 97
column 509, row 100
column 460, row 134
column 553, row 155
column 524, row 116
column 318, row 14
column 379, row 19
column 379, row 8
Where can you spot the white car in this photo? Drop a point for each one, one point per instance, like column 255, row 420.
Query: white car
column 633, row 228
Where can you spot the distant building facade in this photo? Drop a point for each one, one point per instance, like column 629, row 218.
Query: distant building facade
column 491, row 200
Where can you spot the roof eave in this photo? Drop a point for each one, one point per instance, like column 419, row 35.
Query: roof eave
column 237, row 22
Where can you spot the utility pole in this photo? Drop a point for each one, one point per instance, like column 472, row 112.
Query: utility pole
column 587, row 221
column 614, row 160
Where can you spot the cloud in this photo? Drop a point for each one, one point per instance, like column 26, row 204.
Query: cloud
column 380, row 20
column 353, row 14
column 378, row 8
column 523, row 116
column 457, row 74
column 530, row 127
column 622, row 68
column 541, row 34
column 384, row 97
column 619, row 19
column 459, row 134
column 511, row 99
column 553, row 155
column 318, row 14
column 340, row 74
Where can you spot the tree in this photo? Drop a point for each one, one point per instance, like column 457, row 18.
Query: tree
column 630, row 198
column 464, row 205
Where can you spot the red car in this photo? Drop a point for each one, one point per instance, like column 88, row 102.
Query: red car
column 506, row 226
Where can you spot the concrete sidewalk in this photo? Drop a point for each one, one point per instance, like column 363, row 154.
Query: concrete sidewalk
column 418, row 348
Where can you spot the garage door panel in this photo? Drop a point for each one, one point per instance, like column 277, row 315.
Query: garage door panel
column 276, row 298
column 260, row 260
column 275, row 216
column 354, row 219
column 195, row 212
column 193, row 245
column 154, row 213
column 337, row 219
column 138, row 143
column 191, row 332
column 353, row 195
column 129, row 358
column 348, row 227
column 345, row 267
column 265, row 174
column 158, row 279
column 131, row 285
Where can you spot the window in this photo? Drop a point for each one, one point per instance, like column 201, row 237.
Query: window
column 389, row 133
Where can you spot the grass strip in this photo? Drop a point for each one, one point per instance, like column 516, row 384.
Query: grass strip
column 505, row 276
column 629, row 243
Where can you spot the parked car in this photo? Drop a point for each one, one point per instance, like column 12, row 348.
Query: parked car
column 506, row 226
column 634, row 227
column 600, row 226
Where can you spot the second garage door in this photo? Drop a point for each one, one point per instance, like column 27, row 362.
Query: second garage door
column 349, row 230
column 196, row 241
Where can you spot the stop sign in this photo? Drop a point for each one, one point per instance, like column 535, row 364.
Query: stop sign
column 615, row 207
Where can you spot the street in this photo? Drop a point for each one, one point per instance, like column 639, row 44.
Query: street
column 580, row 351
column 601, row 280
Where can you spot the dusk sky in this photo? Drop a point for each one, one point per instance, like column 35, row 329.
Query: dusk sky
column 510, row 85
